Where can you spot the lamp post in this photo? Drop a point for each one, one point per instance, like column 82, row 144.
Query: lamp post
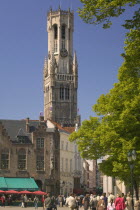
column 131, row 158
column 62, row 184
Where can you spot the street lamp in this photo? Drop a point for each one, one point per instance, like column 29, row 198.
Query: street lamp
column 62, row 184
column 131, row 158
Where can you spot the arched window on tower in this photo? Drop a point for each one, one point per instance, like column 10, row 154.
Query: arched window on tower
column 63, row 35
column 67, row 93
column 61, row 92
column 55, row 37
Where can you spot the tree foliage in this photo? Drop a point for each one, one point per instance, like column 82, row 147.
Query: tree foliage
column 101, row 11
column 116, row 130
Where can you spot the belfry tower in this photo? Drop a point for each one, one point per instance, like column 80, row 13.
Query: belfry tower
column 60, row 70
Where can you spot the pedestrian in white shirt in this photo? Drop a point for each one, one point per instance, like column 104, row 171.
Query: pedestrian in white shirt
column 71, row 202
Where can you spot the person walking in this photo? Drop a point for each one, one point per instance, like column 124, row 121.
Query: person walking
column 128, row 202
column 47, row 202
column 101, row 203
column 36, row 200
column 119, row 203
column 71, row 202
column 86, row 202
column 25, row 200
column 137, row 205
column 105, row 200
column 111, row 197
column 93, row 202
column 53, row 203
column 22, row 201
column 3, row 200
column 43, row 200
column 60, row 201
column 111, row 205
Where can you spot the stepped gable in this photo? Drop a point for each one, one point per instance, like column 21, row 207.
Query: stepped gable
column 13, row 127
column 17, row 128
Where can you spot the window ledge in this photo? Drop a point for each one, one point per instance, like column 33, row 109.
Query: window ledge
column 4, row 171
column 40, row 171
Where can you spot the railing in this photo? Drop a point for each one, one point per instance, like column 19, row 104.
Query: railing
column 64, row 77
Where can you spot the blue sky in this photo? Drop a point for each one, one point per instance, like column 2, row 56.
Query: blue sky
column 23, row 47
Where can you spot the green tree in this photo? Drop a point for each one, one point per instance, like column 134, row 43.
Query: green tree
column 116, row 130
column 101, row 11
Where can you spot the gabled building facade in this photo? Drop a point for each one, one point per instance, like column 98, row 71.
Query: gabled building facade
column 30, row 149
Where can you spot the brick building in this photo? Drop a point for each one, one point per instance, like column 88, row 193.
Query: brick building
column 30, row 149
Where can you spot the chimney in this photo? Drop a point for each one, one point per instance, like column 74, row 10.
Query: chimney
column 41, row 118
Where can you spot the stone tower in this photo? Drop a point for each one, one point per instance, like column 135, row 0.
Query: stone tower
column 60, row 70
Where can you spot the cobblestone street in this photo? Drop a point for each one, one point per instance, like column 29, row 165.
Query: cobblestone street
column 31, row 208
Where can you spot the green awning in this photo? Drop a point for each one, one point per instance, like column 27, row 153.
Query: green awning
column 7, row 183
column 3, row 184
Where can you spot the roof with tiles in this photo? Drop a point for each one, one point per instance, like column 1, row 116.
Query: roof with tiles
column 66, row 129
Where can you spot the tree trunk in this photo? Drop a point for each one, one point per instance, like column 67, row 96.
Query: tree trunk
column 136, row 189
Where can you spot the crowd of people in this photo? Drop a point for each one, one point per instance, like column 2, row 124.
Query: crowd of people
column 92, row 202
column 120, row 202
column 74, row 202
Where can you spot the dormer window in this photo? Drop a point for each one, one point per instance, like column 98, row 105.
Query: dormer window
column 22, row 139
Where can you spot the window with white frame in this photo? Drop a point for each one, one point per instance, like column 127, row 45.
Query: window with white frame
column 39, row 143
column 22, row 159
column 40, row 162
column 5, row 159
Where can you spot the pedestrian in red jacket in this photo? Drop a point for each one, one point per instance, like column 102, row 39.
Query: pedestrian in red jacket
column 119, row 203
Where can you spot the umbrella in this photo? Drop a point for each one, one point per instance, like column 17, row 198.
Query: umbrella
column 1, row 191
column 39, row 193
column 11, row 192
column 24, row 192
